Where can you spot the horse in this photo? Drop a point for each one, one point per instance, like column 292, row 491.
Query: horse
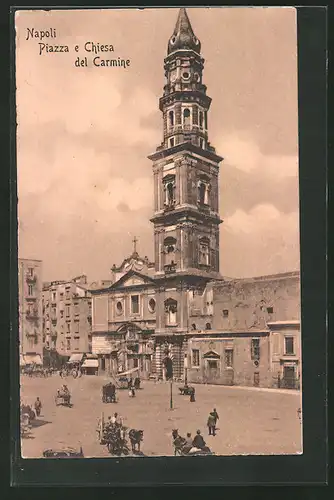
column 135, row 436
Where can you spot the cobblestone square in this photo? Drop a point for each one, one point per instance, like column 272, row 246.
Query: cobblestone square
column 252, row 421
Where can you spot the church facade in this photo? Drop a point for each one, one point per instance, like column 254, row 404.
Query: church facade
column 171, row 307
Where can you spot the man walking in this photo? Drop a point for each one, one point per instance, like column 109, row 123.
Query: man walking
column 216, row 416
column 212, row 424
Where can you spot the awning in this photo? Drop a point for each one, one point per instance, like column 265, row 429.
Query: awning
column 89, row 355
column 33, row 359
column 128, row 372
column 90, row 363
column 76, row 358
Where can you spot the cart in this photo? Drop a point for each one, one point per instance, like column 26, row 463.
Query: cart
column 63, row 400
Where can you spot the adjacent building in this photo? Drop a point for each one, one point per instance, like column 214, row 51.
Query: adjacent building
column 67, row 318
column 30, row 312
column 179, row 307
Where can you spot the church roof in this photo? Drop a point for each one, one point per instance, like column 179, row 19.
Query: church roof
column 183, row 36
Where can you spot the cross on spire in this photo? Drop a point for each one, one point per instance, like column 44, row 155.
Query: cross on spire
column 135, row 241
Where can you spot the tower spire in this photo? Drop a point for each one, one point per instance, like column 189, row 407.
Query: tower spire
column 183, row 36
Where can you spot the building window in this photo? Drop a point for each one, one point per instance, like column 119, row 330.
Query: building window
column 255, row 349
column 135, row 304
column 225, row 313
column 270, row 310
column 170, row 311
column 203, row 192
column 61, row 295
column 67, row 311
column 169, row 189
column 61, row 313
column 208, row 326
column 201, row 119
column 201, row 143
column 30, row 290
column 186, row 118
column 171, row 142
column 171, row 119
column 31, row 271
column 193, row 326
column 53, row 296
column 169, row 251
column 195, row 357
column 68, row 344
column 229, row 358
column 68, row 327
column 151, row 305
column 76, row 328
column 67, row 295
column 204, row 252
column 289, row 345
column 119, row 307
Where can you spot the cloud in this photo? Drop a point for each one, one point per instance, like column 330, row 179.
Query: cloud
column 244, row 154
column 262, row 219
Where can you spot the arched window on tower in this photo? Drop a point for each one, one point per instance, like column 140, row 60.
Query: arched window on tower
column 171, row 119
column 204, row 251
column 186, row 118
column 170, row 311
column 169, row 191
column 203, row 188
column 201, row 119
column 206, row 120
column 170, row 253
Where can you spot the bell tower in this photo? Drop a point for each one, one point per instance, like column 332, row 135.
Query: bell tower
column 186, row 219
column 185, row 165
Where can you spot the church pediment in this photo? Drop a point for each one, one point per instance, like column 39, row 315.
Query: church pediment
column 211, row 355
column 132, row 278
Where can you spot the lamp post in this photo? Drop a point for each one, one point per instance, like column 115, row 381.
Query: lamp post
column 171, row 394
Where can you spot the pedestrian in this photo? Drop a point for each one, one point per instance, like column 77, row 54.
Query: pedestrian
column 133, row 392
column 192, row 395
column 38, row 407
column 216, row 416
column 212, row 424
column 188, row 443
column 198, row 441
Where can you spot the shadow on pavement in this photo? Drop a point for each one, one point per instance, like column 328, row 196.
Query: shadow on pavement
column 38, row 423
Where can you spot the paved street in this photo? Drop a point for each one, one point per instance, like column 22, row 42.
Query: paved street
column 251, row 422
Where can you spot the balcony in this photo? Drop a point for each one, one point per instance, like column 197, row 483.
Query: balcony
column 33, row 315
column 170, row 268
column 31, row 278
column 168, row 207
column 30, row 298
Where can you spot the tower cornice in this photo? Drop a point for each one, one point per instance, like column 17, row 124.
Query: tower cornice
column 188, row 147
column 185, row 96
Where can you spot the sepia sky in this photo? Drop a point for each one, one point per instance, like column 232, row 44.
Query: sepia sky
column 85, row 185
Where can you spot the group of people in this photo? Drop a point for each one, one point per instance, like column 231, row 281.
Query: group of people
column 63, row 391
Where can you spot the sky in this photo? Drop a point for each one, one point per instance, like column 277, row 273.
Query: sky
column 85, row 185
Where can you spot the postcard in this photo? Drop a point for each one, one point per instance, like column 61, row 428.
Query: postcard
column 158, row 214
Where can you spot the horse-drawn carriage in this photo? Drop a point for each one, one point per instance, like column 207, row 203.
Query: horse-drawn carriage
column 186, row 390
column 114, row 436
column 109, row 393
column 63, row 397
